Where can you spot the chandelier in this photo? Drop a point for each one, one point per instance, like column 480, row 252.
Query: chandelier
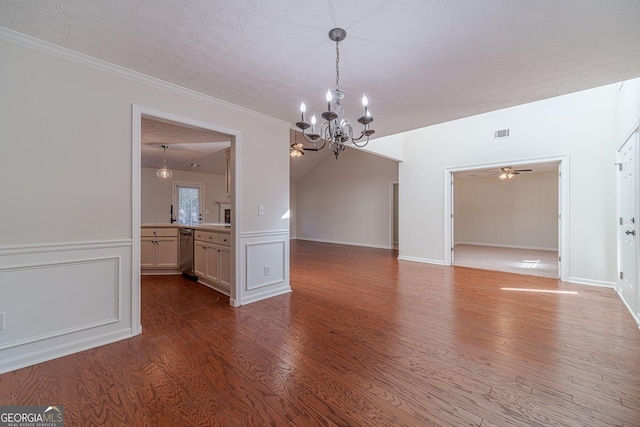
column 336, row 128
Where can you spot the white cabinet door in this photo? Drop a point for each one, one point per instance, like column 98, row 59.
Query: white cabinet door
column 200, row 259
column 166, row 252
column 224, row 259
column 213, row 268
column 147, row 253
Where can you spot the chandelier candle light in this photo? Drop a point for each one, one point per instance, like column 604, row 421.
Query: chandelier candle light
column 336, row 129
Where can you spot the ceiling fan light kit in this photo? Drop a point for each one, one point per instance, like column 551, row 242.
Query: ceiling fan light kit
column 508, row 172
column 297, row 149
column 336, row 128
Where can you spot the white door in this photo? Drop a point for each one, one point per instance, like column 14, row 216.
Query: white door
column 628, row 224
column 187, row 199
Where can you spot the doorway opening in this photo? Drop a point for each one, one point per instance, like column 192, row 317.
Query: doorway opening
column 195, row 127
column 510, row 221
column 393, row 215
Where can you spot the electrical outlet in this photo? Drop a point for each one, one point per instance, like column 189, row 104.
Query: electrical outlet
column 1, row 321
column 416, row 245
column 261, row 210
column 267, row 270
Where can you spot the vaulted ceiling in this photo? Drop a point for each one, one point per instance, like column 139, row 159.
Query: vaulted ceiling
column 419, row 62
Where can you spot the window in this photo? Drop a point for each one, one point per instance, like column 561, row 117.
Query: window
column 188, row 199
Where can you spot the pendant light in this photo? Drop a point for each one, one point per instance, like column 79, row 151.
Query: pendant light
column 164, row 172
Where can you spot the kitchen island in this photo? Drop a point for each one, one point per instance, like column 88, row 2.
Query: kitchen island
column 160, row 252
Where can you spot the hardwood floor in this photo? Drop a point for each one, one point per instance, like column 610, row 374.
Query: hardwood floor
column 510, row 260
column 363, row 340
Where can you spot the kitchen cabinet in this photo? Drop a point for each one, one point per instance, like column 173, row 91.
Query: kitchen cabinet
column 159, row 248
column 212, row 259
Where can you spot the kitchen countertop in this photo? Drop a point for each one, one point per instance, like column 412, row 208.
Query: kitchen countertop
column 203, row 227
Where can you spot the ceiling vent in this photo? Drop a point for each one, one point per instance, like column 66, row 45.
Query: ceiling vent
column 502, row 133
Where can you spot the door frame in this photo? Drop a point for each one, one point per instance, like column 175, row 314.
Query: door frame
column 563, row 205
column 392, row 215
column 635, row 311
column 137, row 111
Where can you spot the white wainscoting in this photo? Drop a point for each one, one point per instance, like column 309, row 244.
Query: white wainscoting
column 62, row 298
column 266, row 257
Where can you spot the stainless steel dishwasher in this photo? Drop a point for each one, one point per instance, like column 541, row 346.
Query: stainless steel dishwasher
column 186, row 253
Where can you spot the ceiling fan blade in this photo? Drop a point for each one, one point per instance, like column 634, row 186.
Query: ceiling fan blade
column 523, row 170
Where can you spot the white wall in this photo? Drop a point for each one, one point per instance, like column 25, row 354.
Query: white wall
column 521, row 212
column 627, row 108
column 347, row 200
column 67, row 184
column 156, row 197
column 581, row 125
column 391, row 147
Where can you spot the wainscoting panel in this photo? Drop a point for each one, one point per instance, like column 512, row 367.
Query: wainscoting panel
column 62, row 298
column 266, row 260
column 265, row 264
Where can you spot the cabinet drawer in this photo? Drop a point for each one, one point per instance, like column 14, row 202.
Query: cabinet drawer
column 224, row 239
column 205, row 236
column 158, row 232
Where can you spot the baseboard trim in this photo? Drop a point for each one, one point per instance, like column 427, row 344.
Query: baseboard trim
column 421, row 260
column 264, row 295
column 624, row 301
column 590, row 282
column 335, row 242
column 158, row 272
column 495, row 245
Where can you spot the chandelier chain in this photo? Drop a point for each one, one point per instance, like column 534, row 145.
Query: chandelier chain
column 337, row 66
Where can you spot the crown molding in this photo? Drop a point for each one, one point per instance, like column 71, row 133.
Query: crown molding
column 69, row 55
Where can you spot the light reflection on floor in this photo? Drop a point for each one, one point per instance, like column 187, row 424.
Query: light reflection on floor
column 548, row 291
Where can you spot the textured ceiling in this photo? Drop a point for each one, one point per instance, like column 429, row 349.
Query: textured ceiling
column 420, row 62
column 186, row 146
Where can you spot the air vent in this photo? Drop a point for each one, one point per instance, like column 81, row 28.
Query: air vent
column 502, row 133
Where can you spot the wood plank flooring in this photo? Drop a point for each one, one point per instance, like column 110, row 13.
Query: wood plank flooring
column 510, row 260
column 363, row 340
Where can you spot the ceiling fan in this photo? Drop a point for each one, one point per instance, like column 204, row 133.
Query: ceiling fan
column 298, row 149
column 508, row 172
